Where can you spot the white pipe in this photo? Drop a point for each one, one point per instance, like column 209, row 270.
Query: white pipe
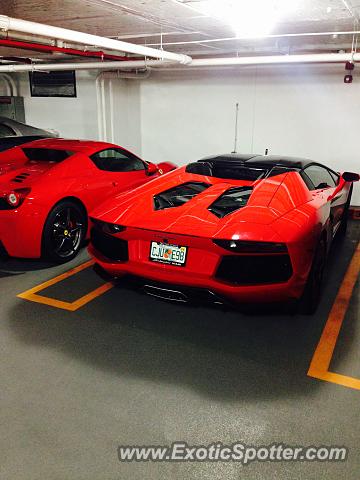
column 276, row 59
column 111, row 101
column 131, row 64
column 12, row 88
column 48, row 31
column 99, row 108
column 101, row 102
column 103, row 110
column 263, row 37
column 201, row 62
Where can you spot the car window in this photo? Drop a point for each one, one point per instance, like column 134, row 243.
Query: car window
column 335, row 176
column 116, row 160
column 228, row 170
column 51, row 155
column 319, row 177
column 6, row 131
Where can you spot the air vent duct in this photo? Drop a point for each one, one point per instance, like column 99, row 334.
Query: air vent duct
column 21, row 177
column 230, row 201
column 179, row 195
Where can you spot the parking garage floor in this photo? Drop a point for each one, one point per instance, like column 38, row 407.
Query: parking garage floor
column 96, row 367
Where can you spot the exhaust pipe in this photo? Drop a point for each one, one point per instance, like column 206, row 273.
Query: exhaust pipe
column 166, row 294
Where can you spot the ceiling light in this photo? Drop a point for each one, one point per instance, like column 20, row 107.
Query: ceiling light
column 248, row 18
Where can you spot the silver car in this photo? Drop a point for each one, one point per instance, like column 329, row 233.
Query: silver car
column 13, row 133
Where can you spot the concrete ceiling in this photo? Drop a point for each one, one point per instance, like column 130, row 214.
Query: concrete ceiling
column 181, row 21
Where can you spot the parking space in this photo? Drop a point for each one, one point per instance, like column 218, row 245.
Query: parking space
column 81, row 381
column 64, row 290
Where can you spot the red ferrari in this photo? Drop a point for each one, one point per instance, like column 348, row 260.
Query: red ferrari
column 239, row 228
column 47, row 187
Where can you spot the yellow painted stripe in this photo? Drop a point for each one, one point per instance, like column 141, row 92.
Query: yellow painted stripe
column 91, row 296
column 33, row 296
column 52, row 302
column 57, row 279
column 324, row 351
column 343, row 380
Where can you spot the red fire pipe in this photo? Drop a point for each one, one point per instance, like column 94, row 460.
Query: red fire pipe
column 38, row 47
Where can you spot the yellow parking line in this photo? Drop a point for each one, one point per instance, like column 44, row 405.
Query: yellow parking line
column 33, row 295
column 343, row 380
column 319, row 366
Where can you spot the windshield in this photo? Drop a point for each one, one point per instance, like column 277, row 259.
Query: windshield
column 229, row 170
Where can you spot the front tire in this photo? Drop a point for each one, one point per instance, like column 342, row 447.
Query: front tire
column 64, row 232
column 313, row 288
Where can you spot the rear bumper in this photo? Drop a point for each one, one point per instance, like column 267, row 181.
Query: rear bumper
column 234, row 294
column 200, row 270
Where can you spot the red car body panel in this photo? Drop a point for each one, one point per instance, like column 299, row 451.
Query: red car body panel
column 76, row 177
column 280, row 209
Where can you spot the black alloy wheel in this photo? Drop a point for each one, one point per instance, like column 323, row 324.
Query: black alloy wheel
column 64, row 232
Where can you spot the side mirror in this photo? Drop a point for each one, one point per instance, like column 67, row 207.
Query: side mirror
column 151, row 169
column 350, row 177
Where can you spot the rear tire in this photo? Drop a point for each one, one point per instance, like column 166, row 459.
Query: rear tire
column 64, row 232
column 313, row 288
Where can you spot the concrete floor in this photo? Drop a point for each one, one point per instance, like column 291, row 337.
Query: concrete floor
column 129, row 369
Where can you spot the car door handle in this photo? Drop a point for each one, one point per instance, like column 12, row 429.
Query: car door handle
column 115, row 184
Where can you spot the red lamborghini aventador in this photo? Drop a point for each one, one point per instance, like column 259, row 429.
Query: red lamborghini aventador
column 48, row 186
column 243, row 228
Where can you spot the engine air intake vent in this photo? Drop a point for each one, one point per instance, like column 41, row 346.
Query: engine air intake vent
column 21, row 177
column 179, row 195
column 230, row 201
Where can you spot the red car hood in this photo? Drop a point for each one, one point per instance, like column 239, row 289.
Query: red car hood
column 136, row 208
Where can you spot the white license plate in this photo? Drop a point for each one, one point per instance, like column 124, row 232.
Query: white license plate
column 170, row 254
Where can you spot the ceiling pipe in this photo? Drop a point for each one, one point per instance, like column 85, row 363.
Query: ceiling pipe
column 38, row 47
column 276, row 59
column 200, row 62
column 130, row 64
column 263, row 37
column 17, row 25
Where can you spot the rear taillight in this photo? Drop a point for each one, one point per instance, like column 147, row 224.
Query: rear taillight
column 243, row 246
column 14, row 198
column 106, row 227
